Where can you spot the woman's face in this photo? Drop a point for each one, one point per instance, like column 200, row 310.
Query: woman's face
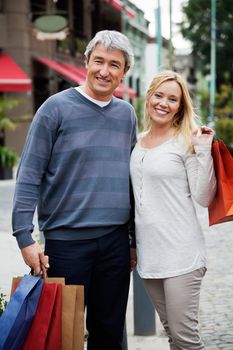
column 165, row 103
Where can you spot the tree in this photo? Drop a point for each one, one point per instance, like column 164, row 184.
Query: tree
column 196, row 27
column 224, row 131
column 224, row 102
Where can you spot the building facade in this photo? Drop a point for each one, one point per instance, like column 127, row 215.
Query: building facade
column 46, row 39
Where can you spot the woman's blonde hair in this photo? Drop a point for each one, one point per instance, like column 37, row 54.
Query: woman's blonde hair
column 186, row 120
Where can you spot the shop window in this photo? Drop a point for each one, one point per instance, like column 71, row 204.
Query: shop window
column 38, row 8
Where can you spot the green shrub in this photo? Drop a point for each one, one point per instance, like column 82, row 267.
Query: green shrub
column 8, row 158
column 3, row 303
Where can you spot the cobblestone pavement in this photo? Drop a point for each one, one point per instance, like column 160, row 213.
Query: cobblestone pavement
column 216, row 312
column 216, row 306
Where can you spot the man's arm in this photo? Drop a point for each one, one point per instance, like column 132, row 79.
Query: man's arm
column 32, row 167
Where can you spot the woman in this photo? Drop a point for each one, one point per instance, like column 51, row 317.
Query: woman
column 171, row 168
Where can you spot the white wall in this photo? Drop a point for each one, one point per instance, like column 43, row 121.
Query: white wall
column 151, row 62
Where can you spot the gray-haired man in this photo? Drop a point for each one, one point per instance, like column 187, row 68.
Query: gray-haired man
column 75, row 169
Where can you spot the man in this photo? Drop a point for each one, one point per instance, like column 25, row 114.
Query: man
column 75, row 169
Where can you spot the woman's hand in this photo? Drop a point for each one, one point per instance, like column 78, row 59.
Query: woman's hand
column 203, row 136
column 133, row 258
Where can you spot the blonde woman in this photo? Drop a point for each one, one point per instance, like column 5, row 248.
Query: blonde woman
column 171, row 168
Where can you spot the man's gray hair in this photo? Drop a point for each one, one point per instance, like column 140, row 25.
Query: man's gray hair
column 111, row 39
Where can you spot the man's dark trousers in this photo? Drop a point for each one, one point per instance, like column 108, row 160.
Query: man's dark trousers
column 102, row 265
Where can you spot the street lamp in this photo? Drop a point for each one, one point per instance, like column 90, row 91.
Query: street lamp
column 158, row 35
column 212, row 60
column 170, row 39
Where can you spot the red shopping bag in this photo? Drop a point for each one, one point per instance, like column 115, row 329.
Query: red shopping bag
column 221, row 208
column 46, row 330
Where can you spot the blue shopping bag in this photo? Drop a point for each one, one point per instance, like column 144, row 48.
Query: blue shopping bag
column 19, row 313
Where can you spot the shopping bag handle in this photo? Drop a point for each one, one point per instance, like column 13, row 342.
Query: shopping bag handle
column 42, row 274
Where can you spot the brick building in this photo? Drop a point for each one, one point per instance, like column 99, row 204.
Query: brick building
column 42, row 44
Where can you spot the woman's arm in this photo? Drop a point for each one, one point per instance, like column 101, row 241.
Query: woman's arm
column 199, row 166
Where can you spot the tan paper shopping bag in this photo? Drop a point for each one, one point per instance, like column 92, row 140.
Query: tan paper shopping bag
column 73, row 317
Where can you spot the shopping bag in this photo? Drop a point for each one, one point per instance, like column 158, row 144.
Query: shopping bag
column 46, row 325
column 221, row 208
column 72, row 333
column 73, row 317
column 16, row 280
column 19, row 313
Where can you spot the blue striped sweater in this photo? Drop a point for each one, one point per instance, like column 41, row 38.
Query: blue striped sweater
column 75, row 169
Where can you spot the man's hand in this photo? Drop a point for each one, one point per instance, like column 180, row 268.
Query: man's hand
column 34, row 257
column 133, row 258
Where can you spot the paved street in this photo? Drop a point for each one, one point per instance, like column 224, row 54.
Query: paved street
column 216, row 312
column 217, row 293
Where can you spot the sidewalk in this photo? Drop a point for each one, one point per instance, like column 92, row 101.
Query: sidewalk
column 216, row 309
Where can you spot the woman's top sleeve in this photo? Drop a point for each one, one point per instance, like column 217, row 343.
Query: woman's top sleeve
column 201, row 176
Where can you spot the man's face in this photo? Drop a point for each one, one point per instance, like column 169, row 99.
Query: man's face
column 105, row 70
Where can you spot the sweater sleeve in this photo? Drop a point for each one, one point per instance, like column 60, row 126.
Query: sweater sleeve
column 201, row 176
column 33, row 164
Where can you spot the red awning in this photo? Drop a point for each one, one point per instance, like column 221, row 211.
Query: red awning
column 12, row 77
column 80, row 71
column 132, row 93
column 123, row 89
column 118, row 4
column 130, row 13
column 69, row 71
column 78, row 75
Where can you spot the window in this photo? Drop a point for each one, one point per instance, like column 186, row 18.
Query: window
column 1, row 6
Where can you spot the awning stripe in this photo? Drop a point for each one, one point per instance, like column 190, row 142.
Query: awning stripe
column 118, row 4
column 15, row 81
column 12, row 77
